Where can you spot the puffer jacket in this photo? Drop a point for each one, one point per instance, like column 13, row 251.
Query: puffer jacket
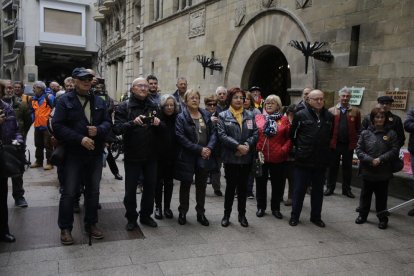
column 394, row 122
column 277, row 147
column 9, row 129
column 382, row 144
column 409, row 127
column 189, row 151
column 140, row 142
column 231, row 135
column 311, row 136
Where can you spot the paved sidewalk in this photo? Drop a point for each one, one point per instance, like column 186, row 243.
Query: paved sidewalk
column 267, row 247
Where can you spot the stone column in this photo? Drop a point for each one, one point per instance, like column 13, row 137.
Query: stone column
column 155, row 10
column 120, row 78
column 30, row 69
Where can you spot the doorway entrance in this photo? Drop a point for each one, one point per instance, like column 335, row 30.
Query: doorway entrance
column 268, row 68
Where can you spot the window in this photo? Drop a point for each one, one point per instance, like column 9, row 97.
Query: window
column 57, row 21
column 353, row 51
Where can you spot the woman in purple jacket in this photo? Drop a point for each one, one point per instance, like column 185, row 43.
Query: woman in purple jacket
column 8, row 134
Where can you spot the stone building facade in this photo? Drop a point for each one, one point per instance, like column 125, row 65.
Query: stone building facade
column 370, row 41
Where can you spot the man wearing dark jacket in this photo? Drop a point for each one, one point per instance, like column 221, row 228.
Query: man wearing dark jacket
column 311, row 132
column 179, row 93
column 81, row 124
column 137, row 120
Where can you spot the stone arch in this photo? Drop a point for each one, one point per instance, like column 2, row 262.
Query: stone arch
column 271, row 27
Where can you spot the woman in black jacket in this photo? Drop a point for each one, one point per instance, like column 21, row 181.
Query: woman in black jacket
column 196, row 138
column 377, row 147
column 237, row 132
column 168, row 149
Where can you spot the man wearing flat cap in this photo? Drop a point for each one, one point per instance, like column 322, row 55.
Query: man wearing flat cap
column 81, row 123
column 257, row 96
column 394, row 122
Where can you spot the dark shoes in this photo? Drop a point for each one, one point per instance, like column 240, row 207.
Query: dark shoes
column 328, row 192
column 243, row 221
column 203, row 220
column 148, row 221
column 318, row 222
column 168, row 213
column 260, row 213
column 411, row 213
column 358, row 209
column 181, row 219
column 225, row 221
column 118, row 176
column 348, row 193
column 293, row 222
column 66, row 237
column 7, row 238
column 94, row 231
column 218, row 193
column 383, row 224
column 360, row 220
column 158, row 213
column 277, row 214
column 21, row 202
column 131, row 225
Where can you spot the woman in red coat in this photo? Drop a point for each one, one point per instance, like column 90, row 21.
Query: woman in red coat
column 275, row 143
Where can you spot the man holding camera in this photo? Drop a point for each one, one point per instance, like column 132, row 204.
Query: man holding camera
column 136, row 119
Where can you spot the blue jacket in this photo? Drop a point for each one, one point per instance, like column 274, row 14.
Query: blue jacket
column 189, row 151
column 231, row 135
column 70, row 123
column 9, row 130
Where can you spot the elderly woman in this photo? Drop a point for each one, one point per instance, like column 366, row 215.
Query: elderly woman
column 377, row 147
column 196, row 138
column 275, row 143
column 168, row 149
column 9, row 133
column 211, row 103
column 237, row 132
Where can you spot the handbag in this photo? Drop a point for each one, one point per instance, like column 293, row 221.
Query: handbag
column 58, row 155
column 397, row 164
column 12, row 160
column 259, row 161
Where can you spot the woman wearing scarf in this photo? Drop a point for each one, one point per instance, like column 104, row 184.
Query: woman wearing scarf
column 237, row 132
column 275, row 143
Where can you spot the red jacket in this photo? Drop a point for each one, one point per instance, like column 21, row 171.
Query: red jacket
column 277, row 148
column 354, row 125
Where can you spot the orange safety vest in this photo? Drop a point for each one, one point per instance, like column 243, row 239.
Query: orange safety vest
column 41, row 113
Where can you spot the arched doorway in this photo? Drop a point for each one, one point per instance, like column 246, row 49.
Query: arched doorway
column 268, row 68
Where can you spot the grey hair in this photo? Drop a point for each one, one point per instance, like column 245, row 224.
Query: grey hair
column 40, row 84
column 220, row 88
column 344, row 90
column 134, row 82
column 274, row 98
column 181, row 78
column 165, row 98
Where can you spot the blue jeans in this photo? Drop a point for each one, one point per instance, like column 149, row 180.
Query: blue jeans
column 80, row 170
column 302, row 179
column 134, row 171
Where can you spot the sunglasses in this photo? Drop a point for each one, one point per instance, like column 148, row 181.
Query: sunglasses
column 85, row 78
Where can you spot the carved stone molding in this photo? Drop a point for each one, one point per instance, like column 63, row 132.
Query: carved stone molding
column 301, row 4
column 197, row 23
column 239, row 14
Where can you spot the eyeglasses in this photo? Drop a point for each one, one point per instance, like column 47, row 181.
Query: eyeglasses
column 211, row 104
column 239, row 98
column 317, row 99
column 270, row 103
column 141, row 85
column 85, row 78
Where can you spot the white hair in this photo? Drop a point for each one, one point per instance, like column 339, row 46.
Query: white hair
column 221, row 88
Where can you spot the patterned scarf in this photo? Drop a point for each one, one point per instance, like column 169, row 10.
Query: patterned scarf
column 238, row 114
column 270, row 127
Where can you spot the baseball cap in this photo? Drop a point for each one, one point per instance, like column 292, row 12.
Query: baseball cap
column 80, row 72
column 385, row 99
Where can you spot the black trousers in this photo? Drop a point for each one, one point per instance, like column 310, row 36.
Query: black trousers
column 343, row 151
column 277, row 178
column 236, row 178
column 200, row 185
column 133, row 173
column 164, row 181
column 17, row 184
column 380, row 189
column 42, row 143
column 112, row 163
column 4, row 217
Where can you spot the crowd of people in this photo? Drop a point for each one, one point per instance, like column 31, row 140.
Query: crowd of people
column 171, row 136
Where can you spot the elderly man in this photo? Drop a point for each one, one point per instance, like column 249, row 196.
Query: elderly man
column 311, row 133
column 81, row 124
column 347, row 124
column 137, row 120
column 42, row 105
column 54, row 87
column 304, row 100
column 181, row 89
column 257, row 96
column 221, row 93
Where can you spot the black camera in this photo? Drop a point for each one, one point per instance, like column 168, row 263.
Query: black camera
column 148, row 120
